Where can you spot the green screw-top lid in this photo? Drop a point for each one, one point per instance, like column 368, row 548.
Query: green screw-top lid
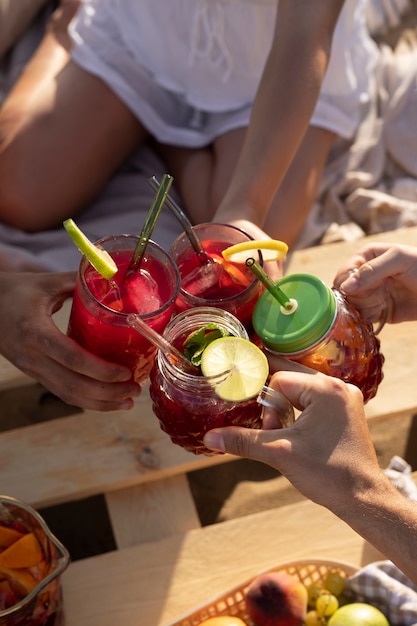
column 303, row 325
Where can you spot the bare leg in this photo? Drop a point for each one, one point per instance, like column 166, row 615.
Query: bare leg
column 202, row 175
column 63, row 133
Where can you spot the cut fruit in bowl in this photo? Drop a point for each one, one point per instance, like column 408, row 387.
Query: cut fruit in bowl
column 246, row 366
column 99, row 259
column 25, row 552
column 272, row 250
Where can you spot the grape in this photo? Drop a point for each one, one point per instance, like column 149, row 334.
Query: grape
column 314, row 619
column 326, row 604
column 335, row 583
column 313, row 592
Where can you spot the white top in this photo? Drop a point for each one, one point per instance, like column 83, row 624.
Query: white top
column 189, row 69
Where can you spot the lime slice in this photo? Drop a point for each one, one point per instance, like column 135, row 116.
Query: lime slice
column 99, row 259
column 272, row 250
column 247, row 364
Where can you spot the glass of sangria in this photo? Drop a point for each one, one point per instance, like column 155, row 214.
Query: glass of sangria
column 31, row 563
column 220, row 284
column 185, row 403
column 98, row 319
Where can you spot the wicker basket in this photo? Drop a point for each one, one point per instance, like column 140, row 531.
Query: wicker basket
column 233, row 603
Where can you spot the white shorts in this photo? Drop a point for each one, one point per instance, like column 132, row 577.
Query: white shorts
column 189, row 69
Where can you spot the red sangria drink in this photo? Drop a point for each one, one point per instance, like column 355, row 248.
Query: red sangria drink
column 98, row 319
column 221, row 284
column 31, row 563
column 186, row 403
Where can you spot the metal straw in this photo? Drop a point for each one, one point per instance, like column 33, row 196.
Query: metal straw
column 177, row 211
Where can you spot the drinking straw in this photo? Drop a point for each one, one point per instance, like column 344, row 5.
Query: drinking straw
column 161, row 343
column 150, row 221
column 263, row 277
column 177, row 211
column 170, row 351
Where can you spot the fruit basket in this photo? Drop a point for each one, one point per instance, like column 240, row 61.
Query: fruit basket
column 233, row 601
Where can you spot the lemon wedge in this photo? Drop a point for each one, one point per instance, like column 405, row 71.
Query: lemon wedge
column 99, row 259
column 272, row 250
column 247, row 364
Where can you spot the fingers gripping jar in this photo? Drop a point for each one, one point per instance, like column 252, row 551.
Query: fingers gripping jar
column 321, row 330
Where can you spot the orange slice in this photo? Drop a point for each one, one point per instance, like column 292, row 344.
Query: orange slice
column 21, row 581
column 24, row 552
column 8, row 536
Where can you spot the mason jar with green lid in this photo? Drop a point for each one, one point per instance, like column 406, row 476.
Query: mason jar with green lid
column 319, row 328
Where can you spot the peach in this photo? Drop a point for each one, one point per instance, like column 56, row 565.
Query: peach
column 276, row 599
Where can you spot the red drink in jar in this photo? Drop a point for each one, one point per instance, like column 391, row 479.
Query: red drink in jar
column 98, row 319
column 224, row 285
column 322, row 330
column 186, row 404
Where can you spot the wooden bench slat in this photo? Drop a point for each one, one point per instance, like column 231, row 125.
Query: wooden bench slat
column 152, row 511
column 90, row 453
column 151, row 584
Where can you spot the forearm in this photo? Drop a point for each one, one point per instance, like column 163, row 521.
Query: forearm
column 387, row 520
column 46, row 63
column 287, row 94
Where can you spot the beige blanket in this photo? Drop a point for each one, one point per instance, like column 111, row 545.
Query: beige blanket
column 371, row 186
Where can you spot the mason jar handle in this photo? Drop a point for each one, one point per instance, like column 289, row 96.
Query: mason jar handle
column 274, row 399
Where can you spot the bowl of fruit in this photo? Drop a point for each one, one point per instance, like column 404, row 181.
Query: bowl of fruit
column 32, row 560
column 300, row 593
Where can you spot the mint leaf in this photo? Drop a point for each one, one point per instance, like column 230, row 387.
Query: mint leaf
column 197, row 342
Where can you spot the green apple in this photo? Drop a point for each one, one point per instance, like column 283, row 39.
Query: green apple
column 358, row 614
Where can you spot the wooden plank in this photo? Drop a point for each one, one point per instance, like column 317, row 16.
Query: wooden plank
column 156, row 582
column 90, row 453
column 152, row 511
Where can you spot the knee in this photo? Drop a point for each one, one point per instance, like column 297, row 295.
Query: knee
column 19, row 210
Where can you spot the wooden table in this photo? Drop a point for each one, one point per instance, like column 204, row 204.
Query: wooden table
column 165, row 563
column 154, row 583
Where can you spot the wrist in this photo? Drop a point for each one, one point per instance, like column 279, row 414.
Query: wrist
column 371, row 500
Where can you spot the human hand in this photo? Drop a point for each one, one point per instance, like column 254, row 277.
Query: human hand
column 326, row 454
column 31, row 340
column 381, row 280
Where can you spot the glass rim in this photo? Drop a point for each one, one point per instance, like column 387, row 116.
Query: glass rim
column 210, row 381
column 120, row 314
column 63, row 559
column 203, row 301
